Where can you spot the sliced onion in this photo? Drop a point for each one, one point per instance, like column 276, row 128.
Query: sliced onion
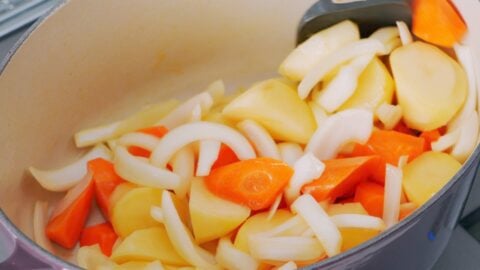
column 358, row 221
column 392, row 197
column 386, row 34
column 207, row 155
column 465, row 58
column 66, row 177
column 216, row 90
column 318, row 112
column 155, row 265
column 191, row 132
column 467, row 141
column 183, row 113
column 293, row 226
column 180, row 237
column 352, row 125
column 289, row 265
column 137, row 171
column 404, row 31
column 183, row 164
column 142, row 140
column 402, row 161
column 285, row 248
column 306, row 169
column 343, row 85
column 392, row 45
column 156, row 213
column 196, row 114
column 112, row 144
column 274, row 207
column 40, row 219
column 317, row 219
column 72, row 194
column 260, row 138
column 290, row 152
column 446, row 141
column 144, row 118
column 389, row 115
column 335, row 59
column 91, row 257
column 232, row 258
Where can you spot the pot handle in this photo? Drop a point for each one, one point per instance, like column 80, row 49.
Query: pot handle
column 13, row 254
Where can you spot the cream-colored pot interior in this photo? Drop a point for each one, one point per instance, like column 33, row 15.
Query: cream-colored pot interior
column 94, row 61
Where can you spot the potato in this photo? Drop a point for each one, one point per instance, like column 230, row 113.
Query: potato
column 277, row 107
column 213, row 217
column 431, row 86
column 427, row 174
column 259, row 223
column 147, row 245
column 118, row 192
column 346, row 208
column 375, row 86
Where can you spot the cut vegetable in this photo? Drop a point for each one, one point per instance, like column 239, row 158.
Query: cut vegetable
column 306, row 169
column 65, row 178
column 288, row 266
column 341, row 176
column 232, row 258
column 404, row 31
column 430, row 137
column 213, row 217
column 148, row 143
column 346, row 208
column 431, row 86
column 188, row 133
column 225, row 156
column 386, row 34
column 371, row 196
column 392, row 197
column 254, row 183
column 302, row 59
column 207, row 155
column 389, row 115
column 406, row 209
column 468, row 138
column 427, row 174
column 259, row 137
column 446, row 141
column 276, row 106
column 358, row 221
column 290, row 152
column 318, row 112
column 335, row 59
column 354, row 125
column 91, row 257
column 145, row 141
column 148, row 245
column 285, row 248
column 40, row 219
column 437, row 22
column 317, row 219
column 101, row 234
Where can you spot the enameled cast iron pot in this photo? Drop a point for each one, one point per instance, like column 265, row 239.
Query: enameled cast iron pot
column 90, row 62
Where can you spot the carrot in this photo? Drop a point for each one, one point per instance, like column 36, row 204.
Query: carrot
column 430, row 136
column 65, row 228
column 390, row 146
column 225, row 156
column 437, row 22
column 101, row 234
column 370, row 195
column 254, row 183
column 402, row 128
column 157, row 131
column 341, row 176
column 106, row 180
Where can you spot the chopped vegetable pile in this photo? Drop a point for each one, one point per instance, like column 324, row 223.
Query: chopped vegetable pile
column 356, row 134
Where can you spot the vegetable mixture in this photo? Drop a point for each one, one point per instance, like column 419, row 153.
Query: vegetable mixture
column 355, row 135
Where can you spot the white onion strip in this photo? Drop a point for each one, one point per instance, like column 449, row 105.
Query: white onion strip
column 145, row 141
column 358, row 221
column 188, row 133
column 274, row 207
column 389, row 115
column 40, row 219
column 446, row 141
column 232, row 258
column 467, row 139
column 72, row 194
column 405, row 35
column 91, row 257
column 317, row 219
column 291, row 265
column 335, row 59
column 343, row 85
column 65, row 178
column 156, row 213
column 260, row 138
column 216, row 90
column 183, row 113
column 393, row 194
column 385, row 34
column 318, row 112
column 183, row 164
column 181, row 238
column 306, row 169
column 96, row 135
column 392, row 45
column 294, row 225
column 155, row 265
column 207, row 155
column 290, row 152
column 137, row 171
column 353, row 125
column 285, row 248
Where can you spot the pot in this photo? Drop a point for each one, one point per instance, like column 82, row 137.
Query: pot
column 90, row 62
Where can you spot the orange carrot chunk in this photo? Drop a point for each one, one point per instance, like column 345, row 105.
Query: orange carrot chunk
column 225, row 156
column 254, row 183
column 341, row 176
column 370, row 195
column 402, row 128
column 106, row 180
column 65, row 228
column 157, row 131
column 390, row 146
column 101, row 234
column 430, row 137
column 437, row 22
